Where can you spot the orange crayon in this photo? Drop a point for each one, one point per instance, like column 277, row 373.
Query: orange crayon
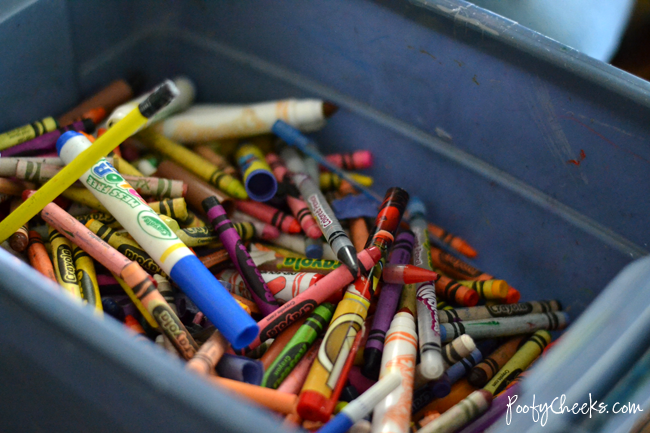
column 38, row 256
column 452, row 240
column 281, row 402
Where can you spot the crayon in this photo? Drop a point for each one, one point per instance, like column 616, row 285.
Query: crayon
column 204, row 122
column 499, row 310
column 453, row 291
column 350, row 359
column 505, row 326
column 269, row 215
column 332, row 182
column 14, row 187
column 278, row 250
column 64, row 269
column 461, row 414
column 362, row 406
column 525, row 355
column 135, row 328
column 157, row 187
column 259, row 181
column 329, row 225
column 50, row 190
column 216, row 258
column 386, row 306
column 84, row 197
column 359, row 160
column 113, row 309
column 87, row 278
column 215, row 158
column 277, row 401
column 358, row 232
column 146, row 315
column 498, row 408
column 283, row 285
column 486, row 369
column 20, row 238
column 108, row 98
column 193, row 162
column 123, row 167
column 101, row 217
column 263, row 230
column 299, row 344
column 171, row 223
column 240, row 368
column 47, row 142
column 125, row 245
column 38, row 256
column 200, row 236
column 298, row 207
column 27, row 132
column 296, row 378
column 280, row 342
column 166, row 290
column 393, row 413
column 206, row 358
column 441, row 387
column 194, row 221
column 406, row 274
column 294, row 137
column 431, row 364
column 459, row 391
column 513, row 296
column 186, row 93
column 8, row 165
column 164, row 247
column 452, row 240
column 458, row 349
column 247, row 305
column 271, row 325
column 298, row 244
column 488, row 289
column 317, row 249
column 240, row 256
column 293, row 264
column 174, row 208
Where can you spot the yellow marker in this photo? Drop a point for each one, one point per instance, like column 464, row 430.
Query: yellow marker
column 193, row 162
column 82, row 163
column 129, row 291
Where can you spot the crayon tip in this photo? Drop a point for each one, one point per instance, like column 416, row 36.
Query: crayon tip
column 329, row 109
column 294, row 227
column 236, row 189
column 477, row 377
column 348, row 256
column 467, row 251
column 513, row 296
column 313, row 406
column 372, row 363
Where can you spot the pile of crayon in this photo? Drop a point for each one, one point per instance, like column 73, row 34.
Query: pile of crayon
column 222, row 234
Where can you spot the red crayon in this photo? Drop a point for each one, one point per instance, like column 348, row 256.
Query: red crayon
column 452, row 291
column 407, row 274
column 271, row 325
column 299, row 208
column 269, row 215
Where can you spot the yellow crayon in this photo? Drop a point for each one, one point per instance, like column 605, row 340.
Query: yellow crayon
column 171, row 223
column 259, row 180
column 194, row 163
column 64, row 269
column 191, row 221
column 279, row 250
column 206, row 150
column 103, row 218
column 332, row 182
column 71, row 172
column 138, row 304
column 84, row 196
column 527, row 353
column 174, row 208
column 124, row 167
column 488, row 289
column 27, row 132
column 202, row 236
column 87, row 279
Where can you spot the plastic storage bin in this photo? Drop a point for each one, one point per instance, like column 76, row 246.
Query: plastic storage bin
column 534, row 152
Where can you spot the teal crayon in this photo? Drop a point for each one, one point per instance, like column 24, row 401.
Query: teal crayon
column 298, row 346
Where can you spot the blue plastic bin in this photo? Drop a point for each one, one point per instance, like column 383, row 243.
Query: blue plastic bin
column 483, row 119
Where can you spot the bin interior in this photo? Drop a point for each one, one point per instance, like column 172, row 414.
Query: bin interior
column 531, row 151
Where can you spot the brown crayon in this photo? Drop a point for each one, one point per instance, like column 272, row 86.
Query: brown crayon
column 485, row 370
column 109, row 98
column 20, row 239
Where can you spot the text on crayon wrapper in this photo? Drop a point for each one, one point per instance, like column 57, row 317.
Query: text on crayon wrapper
column 427, row 295
column 559, row 406
column 319, row 212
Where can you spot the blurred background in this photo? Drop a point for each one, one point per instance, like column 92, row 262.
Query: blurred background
column 614, row 31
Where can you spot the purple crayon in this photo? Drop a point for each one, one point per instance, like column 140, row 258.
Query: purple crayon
column 239, row 256
column 386, row 305
column 47, row 142
column 497, row 409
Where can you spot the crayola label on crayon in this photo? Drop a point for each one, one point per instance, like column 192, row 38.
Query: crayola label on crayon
column 66, row 267
column 172, row 327
column 278, row 325
column 300, row 264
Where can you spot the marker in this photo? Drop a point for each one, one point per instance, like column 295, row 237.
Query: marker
column 271, row 325
column 329, row 225
column 161, row 243
column 431, row 362
column 407, row 274
column 259, row 181
column 107, row 142
column 362, row 406
column 294, row 137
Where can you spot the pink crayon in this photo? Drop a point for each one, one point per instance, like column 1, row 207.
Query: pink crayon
column 263, row 230
column 298, row 207
column 276, row 322
column 351, row 161
column 294, row 381
column 269, row 215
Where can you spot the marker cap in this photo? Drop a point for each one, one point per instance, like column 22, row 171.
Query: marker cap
column 313, row 406
column 261, row 185
column 214, row 301
column 416, row 206
column 63, row 139
column 339, row 424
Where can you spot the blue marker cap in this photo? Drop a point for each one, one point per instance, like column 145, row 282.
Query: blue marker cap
column 339, row 424
column 261, row 185
column 63, row 139
column 241, row 369
column 313, row 248
column 215, row 302
column 416, row 206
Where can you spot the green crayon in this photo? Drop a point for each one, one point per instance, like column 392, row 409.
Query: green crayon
column 298, row 346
